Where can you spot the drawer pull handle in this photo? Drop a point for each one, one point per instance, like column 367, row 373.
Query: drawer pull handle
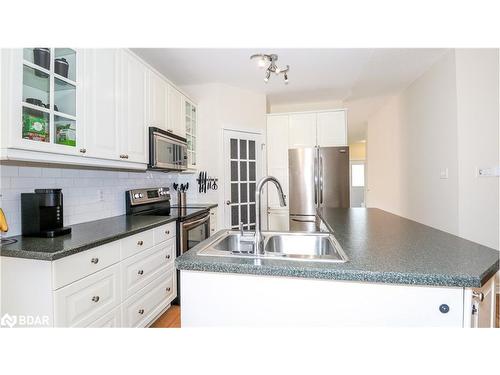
column 478, row 296
column 168, row 256
column 94, row 260
column 141, row 311
column 140, row 272
column 168, row 289
column 167, row 232
column 140, row 243
column 95, row 299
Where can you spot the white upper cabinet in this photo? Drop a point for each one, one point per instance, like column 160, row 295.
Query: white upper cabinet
column 302, row 130
column 132, row 109
column 175, row 122
column 101, row 103
column 191, row 126
column 158, row 101
column 331, row 129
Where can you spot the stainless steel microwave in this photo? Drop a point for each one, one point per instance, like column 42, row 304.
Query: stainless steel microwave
column 167, row 151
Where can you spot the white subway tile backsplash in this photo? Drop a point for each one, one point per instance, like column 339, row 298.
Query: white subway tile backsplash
column 88, row 194
column 30, row 172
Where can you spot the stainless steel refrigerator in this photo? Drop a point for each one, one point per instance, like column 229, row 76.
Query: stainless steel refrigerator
column 318, row 177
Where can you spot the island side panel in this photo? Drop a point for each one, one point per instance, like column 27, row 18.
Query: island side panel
column 222, row 299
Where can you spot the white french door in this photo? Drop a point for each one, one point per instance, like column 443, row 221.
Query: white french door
column 242, row 171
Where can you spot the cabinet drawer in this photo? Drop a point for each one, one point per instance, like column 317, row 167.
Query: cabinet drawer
column 164, row 233
column 141, row 269
column 86, row 300
column 137, row 243
column 140, row 309
column 112, row 319
column 75, row 267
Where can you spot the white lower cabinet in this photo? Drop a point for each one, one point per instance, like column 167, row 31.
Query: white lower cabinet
column 141, row 308
column 125, row 283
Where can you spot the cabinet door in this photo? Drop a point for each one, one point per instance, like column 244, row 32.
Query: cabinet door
column 332, row 129
column 277, row 155
column 278, row 220
column 302, row 130
column 483, row 306
column 101, row 103
column 175, row 111
column 132, row 113
column 158, row 101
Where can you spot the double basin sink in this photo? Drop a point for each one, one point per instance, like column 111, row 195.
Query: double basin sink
column 311, row 247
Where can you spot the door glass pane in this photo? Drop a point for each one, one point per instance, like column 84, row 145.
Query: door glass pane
column 243, row 149
column 252, row 192
column 234, row 192
column 244, row 214
column 234, row 216
column 65, row 63
column 234, row 171
column 65, row 131
column 36, row 125
column 234, row 149
column 243, row 170
column 358, row 175
column 244, row 192
column 252, row 213
column 64, row 97
column 251, row 150
column 36, row 87
column 188, row 125
column 38, row 56
column 251, row 171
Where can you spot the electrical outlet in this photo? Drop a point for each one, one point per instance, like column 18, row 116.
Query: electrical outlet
column 100, row 195
column 443, row 174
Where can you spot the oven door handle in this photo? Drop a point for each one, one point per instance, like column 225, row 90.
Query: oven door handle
column 196, row 222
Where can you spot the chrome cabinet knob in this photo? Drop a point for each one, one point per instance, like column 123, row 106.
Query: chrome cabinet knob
column 95, row 299
column 141, row 311
column 168, row 289
column 168, row 256
column 140, row 272
column 478, row 296
column 228, row 202
column 83, row 150
column 167, row 232
column 140, row 243
column 123, row 156
column 94, row 260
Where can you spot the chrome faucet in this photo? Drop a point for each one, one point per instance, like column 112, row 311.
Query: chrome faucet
column 259, row 239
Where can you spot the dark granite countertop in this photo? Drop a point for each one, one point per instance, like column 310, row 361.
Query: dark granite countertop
column 85, row 236
column 382, row 247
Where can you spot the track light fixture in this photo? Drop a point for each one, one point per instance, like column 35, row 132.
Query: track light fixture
column 265, row 59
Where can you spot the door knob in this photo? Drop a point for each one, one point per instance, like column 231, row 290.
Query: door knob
column 228, row 202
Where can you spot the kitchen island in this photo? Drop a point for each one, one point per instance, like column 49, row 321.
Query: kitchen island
column 399, row 272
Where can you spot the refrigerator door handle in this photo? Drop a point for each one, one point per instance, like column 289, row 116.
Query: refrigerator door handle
column 316, row 177
column 320, row 179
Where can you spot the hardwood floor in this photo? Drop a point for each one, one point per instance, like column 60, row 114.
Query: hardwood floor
column 498, row 311
column 169, row 319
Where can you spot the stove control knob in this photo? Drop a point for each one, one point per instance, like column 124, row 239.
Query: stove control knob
column 136, row 195
column 141, row 195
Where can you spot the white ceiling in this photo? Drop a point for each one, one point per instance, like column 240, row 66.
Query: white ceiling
column 360, row 77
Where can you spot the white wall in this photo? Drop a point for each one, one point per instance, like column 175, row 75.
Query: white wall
column 478, row 143
column 433, row 126
column 304, row 106
column 222, row 106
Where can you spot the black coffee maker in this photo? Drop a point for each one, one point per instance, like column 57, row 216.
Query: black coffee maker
column 42, row 213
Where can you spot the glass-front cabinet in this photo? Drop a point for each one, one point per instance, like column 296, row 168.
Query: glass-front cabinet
column 49, row 100
column 191, row 128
